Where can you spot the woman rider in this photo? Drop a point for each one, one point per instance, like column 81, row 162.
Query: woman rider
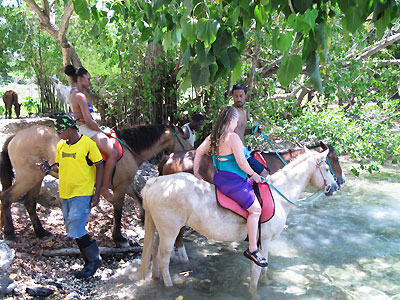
column 81, row 110
column 227, row 151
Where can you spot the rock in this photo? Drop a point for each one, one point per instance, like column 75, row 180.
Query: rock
column 7, row 285
column 39, row 291
column 6, row 255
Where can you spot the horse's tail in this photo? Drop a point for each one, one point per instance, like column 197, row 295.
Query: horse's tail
column 6, row 168
column 149, row 232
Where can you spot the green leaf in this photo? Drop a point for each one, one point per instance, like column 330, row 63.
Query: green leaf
column 353, row 18
column 82, row 9
column 281, row 41
column 291, row 66
column 186, row 83
column 205, row 57
column 207, row 31
column 200, row 76
column 224, row 39
column 95, row 30
column 235, row 16
column 260, row 15
column 323, row 44
column 237, row 71
column 312, row 68
column 383, row 22
column 302, row 5
column 213, row 70
column 186, row 56
column 230, row 57
column 159, row 3
column 188, row 26
column 189, row 6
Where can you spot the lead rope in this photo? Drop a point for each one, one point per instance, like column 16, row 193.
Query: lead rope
column 255, row 129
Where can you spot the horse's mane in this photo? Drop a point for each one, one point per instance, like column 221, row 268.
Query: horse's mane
column 295, row 150
column 141, row 137
column 294, row 163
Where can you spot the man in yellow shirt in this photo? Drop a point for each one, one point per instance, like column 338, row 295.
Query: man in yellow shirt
column 80, row 167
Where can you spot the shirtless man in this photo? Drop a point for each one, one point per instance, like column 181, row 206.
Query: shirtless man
column 239, row 94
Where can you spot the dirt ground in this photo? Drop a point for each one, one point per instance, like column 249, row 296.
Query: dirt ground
column 31, row 269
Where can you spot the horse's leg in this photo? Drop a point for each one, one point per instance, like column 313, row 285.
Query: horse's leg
column 118, row 238
column 183, row 258
column 155, row 273
column 30, row 201
column 8, row 197
column 164, row 253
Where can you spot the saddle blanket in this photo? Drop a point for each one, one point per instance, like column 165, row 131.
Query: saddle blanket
column 117, row 145
column 263, row 194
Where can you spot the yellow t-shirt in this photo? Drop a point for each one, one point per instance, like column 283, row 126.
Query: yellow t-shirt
column 76, row 177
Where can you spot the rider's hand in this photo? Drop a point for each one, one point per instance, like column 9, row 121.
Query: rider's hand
column 256, row 177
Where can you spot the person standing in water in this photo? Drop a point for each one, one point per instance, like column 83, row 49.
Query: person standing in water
column 81, row 110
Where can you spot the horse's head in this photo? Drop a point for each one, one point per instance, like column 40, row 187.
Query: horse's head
column 178, row 143
column 322, row 177
column 333, row 162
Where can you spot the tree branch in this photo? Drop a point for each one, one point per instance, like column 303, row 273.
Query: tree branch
column 69, row 9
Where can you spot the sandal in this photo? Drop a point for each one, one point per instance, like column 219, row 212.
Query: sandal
column 257, row 259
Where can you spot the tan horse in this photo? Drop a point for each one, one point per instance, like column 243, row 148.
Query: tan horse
column 32, row 145
column 10, row 98
column 183, row 162
column 173, row 201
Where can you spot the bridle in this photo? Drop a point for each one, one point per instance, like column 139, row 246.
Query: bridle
column 318, row 165
column 177, row 138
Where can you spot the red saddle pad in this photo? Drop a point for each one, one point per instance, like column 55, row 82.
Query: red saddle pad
column 117, row 145
column 265, row 198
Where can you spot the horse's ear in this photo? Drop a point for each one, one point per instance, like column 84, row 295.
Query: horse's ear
column 306, row 150
column 325, row 153
column 323, row 145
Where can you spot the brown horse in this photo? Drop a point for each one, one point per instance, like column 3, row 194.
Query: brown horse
column 37, row 143
column 183, row 162
column 10, row 98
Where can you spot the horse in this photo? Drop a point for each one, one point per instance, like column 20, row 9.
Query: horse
column 62, row 93
column 37, row 143
column 10, row 98
column 182, row 161
column 180, row 199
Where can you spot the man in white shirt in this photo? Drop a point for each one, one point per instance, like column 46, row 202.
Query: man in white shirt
column 189, row 129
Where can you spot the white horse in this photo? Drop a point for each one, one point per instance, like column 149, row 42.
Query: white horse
column 62, row 93
column 175, row 200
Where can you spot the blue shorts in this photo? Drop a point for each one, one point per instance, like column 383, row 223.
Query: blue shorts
column 76, row 212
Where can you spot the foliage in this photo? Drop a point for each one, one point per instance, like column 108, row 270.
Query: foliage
column 366, row 133
column 212, row 35
column 29, row 105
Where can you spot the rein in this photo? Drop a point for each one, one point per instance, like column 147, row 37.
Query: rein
column 176, row 137
column 318, row 165
column 255, row 129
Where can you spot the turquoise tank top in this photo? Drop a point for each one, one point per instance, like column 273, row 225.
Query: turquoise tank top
column 228, row 164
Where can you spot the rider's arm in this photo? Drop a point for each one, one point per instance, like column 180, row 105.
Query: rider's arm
column 237, row 149
column 200, row 152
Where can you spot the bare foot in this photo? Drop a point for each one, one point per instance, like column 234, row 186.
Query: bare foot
column 107, row 194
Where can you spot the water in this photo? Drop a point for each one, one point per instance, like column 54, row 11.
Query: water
column 342, row 247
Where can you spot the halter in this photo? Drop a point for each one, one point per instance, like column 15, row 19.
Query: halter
column 176, row 138
column 318, row 165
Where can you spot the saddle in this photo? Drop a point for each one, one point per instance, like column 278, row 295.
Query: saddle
column 117, row 145
column 262, row 192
